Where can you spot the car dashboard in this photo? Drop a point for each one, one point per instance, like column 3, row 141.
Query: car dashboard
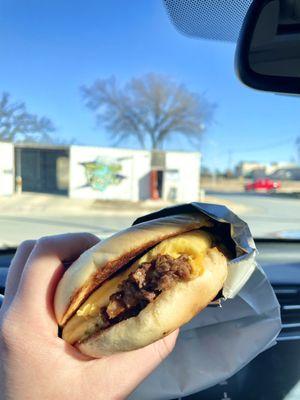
column 275, row 373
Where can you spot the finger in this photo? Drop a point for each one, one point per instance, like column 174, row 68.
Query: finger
column 15, row 270
column 42, row 272
column 134, row 365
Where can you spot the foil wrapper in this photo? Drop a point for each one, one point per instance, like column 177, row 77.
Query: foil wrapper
column 229, row 333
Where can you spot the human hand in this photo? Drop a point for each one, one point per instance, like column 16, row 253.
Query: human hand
column 35, row 363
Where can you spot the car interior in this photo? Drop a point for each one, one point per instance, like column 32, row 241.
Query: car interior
column 265, row 35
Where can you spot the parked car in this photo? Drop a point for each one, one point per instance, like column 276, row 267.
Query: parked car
column 263, row 185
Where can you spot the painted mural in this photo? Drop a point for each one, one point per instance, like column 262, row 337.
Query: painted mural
column 101, row 174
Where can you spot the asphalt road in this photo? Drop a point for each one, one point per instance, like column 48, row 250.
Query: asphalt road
column 15, row 229
column 268, row 216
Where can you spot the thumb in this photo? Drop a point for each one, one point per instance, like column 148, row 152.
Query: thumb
column 128, row 370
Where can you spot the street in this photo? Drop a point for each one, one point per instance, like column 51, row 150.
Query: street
column 15, row 229
column 267, row 217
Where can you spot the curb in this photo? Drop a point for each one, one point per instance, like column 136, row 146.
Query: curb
column 56, row 213
column 292, row 195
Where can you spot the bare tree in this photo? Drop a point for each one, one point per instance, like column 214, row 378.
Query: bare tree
column 150, row 109
column 17, row 124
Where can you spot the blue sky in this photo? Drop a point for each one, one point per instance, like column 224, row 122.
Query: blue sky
column 50, row 48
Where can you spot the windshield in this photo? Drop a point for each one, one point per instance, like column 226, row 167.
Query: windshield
column 107, row 112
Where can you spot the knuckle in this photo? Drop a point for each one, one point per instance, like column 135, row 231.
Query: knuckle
column 85, row 235
column 26, row 244
column 90, row 235
column 4, row 329
column 44, row 242
column 7, row 328
column 12, row 339
column 91, row 238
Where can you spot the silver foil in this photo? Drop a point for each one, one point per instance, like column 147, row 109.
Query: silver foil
column 221, row 339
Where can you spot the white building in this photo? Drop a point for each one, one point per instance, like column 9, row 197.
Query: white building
column 100, row 172
column 7, row 177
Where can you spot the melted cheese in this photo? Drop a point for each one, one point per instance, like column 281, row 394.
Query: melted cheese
column 194, row 244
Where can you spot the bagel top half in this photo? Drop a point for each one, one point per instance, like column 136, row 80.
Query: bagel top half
column 104, row 259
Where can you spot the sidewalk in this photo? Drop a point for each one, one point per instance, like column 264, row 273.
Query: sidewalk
column 53, row 205
column 37, row 203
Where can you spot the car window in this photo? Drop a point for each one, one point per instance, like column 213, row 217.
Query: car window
column 107, row 112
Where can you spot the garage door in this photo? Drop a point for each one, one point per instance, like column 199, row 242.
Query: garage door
column 43, row 170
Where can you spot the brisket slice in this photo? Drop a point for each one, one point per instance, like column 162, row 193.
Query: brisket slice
column 144, row 285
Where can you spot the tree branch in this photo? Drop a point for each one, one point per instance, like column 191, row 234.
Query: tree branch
column 150, row 109
column 16, row 123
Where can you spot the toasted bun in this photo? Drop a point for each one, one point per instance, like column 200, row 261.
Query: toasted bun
column 98, row 263
column 167, row 312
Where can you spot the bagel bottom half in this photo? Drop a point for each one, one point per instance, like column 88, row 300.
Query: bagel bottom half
column 171, row 309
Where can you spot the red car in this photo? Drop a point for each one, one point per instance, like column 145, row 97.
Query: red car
column 263, row 185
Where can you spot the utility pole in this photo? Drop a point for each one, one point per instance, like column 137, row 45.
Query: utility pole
column 229, row 165
column 298, row 149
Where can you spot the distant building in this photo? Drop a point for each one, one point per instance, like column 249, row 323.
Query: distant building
column 99, row 172
column 281, row 165
column 250, row 169
column 288, row 174
column 276, row 170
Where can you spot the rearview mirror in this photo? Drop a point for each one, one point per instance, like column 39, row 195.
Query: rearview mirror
column 268, row 50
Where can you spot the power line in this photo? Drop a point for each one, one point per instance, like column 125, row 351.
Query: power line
column 286, row 141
